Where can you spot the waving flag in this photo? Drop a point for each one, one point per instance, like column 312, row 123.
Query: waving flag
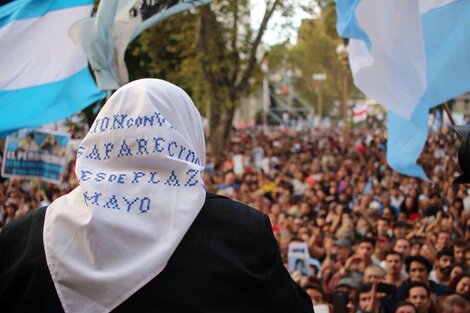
column 360, row 112
column 408, row 56
column 44, row 76
column 106, row 36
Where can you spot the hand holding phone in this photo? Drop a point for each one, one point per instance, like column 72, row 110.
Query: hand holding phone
column 340, row 301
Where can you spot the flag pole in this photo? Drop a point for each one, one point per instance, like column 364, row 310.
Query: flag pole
column 449, row 113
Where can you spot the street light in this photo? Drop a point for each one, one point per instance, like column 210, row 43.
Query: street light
column 317, row 79
column 342, row 52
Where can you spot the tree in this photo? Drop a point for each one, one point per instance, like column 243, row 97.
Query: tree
column 213, row 54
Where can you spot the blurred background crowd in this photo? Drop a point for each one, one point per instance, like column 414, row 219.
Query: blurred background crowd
column 375, row 241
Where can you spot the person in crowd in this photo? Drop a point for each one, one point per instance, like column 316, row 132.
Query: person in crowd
column 428, row 251
column 419, row 295
column 351, row 287
column 457, row 248
column 443, row 267
column 443, row 240
column 368, row 299
column 315, row 292
column 460, row 285
column 394, row 266
column 382, row 245
column 456, row 270
column 455, row 304
column 405, row 307
column 10, row 212
column 365, row 250
column 373, row 274
column 140, row 228
column 402, row 246
column 418, row 269
column 466, row 258
column 400, row 230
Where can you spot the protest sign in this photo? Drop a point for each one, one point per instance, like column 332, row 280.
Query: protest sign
column 30, row 153
column 298, row 258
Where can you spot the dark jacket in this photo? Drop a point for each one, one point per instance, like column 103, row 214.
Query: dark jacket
column 228, row 261
column 436, row 289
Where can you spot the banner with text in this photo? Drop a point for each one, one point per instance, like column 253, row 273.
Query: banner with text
column 32, row 153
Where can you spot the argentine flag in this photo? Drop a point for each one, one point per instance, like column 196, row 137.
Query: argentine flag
column 410, row 56
column 44, row 76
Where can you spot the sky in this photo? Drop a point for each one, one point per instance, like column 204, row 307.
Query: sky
column 275, row 34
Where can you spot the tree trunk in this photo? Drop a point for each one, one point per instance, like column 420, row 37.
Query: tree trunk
column 220, row 127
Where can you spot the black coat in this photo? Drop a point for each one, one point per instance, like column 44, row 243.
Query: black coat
column 228, row 261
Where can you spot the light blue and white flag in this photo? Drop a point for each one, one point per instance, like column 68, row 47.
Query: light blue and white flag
column 409, row 56
column 44, row 76
column 105, row 37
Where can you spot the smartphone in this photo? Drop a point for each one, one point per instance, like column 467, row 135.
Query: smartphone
column 386, row 288
column 333, row 257
column 321, row 308
column 340, row 301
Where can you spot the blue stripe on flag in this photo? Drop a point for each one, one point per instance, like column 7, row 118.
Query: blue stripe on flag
column 448, row 75
column 447, row 44
column 406, row 140
column 25, row 9
column 47, row 103
column 347, row 24
column 446, row 40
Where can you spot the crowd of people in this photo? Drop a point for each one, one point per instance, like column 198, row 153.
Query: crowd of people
column 376, row 240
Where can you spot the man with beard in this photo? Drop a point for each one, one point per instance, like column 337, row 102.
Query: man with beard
column 443, row 267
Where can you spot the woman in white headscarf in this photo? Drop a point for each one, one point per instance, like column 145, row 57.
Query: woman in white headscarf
column 140, row 234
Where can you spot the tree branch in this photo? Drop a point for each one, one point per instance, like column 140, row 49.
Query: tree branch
column 243, row 82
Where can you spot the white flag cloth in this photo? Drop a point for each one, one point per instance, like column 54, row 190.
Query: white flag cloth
column 105, row 37
column 44, row 76
column 140, row 173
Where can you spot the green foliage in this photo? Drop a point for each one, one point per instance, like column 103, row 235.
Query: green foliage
column 315, row 52
column 167, row 53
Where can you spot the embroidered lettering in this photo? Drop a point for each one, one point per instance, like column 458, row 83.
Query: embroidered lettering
column 158, row 147
column 191, row 181
column 130, row 203
column 93, row 199
column 142, row 146
column 112, row 203
column 137, row 176
column 172, row 180
column 108, row 147
column 152, row 179
column 124, row 150
column 144, row 208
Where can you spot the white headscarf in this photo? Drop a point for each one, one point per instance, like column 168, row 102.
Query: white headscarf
column 140, row 172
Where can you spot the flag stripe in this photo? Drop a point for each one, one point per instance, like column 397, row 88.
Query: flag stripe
column 446, row 47
column 27, row 65
column 428, row 5
column 48, row 102
column 394, row 51
column 418, row 58
column 26, row 9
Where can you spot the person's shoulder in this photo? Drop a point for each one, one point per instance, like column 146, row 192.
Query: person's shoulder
column 23, row 225
column 224, row 205
column 234, row 215
column 438, row 288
